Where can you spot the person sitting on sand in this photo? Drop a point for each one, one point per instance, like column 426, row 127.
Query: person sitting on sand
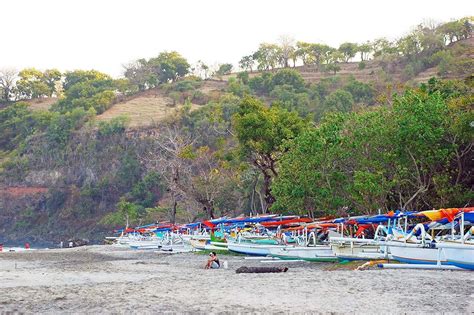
column 213, row 261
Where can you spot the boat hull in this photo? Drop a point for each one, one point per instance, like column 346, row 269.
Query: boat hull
column 461, row 256
column 204, row 245
column 417, row 254
column 357, row 251
column 318, row 253
column 251, row 249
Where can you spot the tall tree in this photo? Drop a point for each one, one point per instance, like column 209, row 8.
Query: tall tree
column 267, row 56
column 286, row 50
column 262, row 133
column 303, row 51
column 364, row 50
column 349, row 50
column 139, row 74
column 247, row 63
column 31, row 84
column 165, row 155
column 169, row 66
column 8, row 78
column 52, row 77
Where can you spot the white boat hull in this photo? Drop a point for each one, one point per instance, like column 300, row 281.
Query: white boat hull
column 417, row 253
column 459, row 255
column 346, row 248
column 316, row 253
column 252, row 249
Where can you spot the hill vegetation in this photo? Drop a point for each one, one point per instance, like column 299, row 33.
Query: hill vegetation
column 304, row 128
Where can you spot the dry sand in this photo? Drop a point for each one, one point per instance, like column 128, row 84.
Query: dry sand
column 107, row 279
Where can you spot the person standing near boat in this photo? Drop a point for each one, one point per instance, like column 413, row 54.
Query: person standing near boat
column 213, row 261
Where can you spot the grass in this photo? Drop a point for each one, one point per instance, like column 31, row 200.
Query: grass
column 152, row 106
column 41, row 103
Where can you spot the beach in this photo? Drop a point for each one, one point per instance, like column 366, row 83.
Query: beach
column 109, row 279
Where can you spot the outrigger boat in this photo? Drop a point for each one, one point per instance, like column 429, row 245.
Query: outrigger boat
column 460, row 253
column 382, row 236
column 435, row 250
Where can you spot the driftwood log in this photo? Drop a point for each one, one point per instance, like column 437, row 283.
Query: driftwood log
column 261, row 269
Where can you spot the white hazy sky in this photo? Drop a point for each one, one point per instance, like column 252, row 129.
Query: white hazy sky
column 104, row 34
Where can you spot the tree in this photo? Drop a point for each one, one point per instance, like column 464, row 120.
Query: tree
column 303, row 51
column 31, row 84
column 51, row 77
column 361, row 92
column 262, row 133
column 286, row 49
column 243, row 77
column 338, row 101
column 310, row 179
column 168, row 67
column 8, row 78
column 349, row 50
column 165, row 156
column 210, row 178
column 383, row 47
column 364, row 50
column 411, row 155
column 288, row 77
column 224, row 69
column 321, row 53
column 72, row 78
column 456, row 30
column 87, row 89
column 333, row 61
column 139, row 74
column 267, row 56
column 247, row 63
column 409, row 46
column 201, row 69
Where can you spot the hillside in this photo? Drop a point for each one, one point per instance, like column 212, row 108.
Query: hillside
column 193, row 148
column 373, row 68
column 149, row 107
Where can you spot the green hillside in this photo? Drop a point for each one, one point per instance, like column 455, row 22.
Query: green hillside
column 299, row 128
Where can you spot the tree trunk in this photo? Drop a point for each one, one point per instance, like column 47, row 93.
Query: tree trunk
column 209, row 209
column 173, row 211
column 269, row 199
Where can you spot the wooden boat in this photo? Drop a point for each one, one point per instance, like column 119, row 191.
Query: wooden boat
column 177, row 248
column 412, row 250
column 347, row 248
column 459, row 255
column 206, row 245
column 310, row 253
column 252, row 249
column 145, row 245
column 417, row 253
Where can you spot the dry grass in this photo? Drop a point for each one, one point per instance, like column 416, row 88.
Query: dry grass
column 152, row 106
column 41, row 103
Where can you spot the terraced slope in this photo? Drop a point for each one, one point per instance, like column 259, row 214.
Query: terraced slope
column 149, row 107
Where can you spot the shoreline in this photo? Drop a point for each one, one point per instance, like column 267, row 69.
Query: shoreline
column 109, row 279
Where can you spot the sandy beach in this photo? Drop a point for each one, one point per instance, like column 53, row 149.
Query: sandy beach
column 107, row 279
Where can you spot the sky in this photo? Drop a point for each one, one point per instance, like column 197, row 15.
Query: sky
column 106, row 34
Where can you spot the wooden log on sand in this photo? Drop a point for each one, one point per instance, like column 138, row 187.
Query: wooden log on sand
column 244, row 269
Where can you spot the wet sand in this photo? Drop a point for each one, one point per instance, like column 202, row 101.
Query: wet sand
column 107, row 279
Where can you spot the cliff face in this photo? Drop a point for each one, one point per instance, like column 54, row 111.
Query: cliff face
column 43, row 216
column 66, row 193
column 19, row 208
